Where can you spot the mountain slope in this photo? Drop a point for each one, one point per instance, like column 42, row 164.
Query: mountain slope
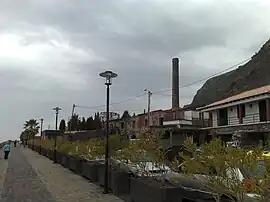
column 253, row 74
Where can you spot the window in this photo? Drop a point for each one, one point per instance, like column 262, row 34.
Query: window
column 122, row 125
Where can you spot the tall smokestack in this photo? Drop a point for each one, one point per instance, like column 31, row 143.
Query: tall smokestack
column 175, row 83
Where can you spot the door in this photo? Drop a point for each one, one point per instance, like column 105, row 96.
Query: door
column 223, row 117
column 262, row 110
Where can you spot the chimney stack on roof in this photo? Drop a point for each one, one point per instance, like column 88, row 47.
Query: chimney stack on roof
column 175, row 83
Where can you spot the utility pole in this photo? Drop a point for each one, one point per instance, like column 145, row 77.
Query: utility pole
column 148, row 105
column 56, row 109
column 71, row 118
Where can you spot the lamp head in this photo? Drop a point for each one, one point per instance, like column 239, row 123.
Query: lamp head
column 108, row 75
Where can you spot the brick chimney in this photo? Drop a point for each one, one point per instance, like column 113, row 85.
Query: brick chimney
column 175, row 83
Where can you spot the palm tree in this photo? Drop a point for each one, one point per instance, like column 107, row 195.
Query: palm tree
column 31, row 128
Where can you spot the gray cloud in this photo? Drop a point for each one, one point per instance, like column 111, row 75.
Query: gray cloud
column 51, row 52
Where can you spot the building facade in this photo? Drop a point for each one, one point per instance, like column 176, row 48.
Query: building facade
column 112, row 116
column 246, row 113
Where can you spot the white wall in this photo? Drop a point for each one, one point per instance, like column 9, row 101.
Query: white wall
column 252, row 113
column 214, row 118
column 188, row 115
column 232, row 116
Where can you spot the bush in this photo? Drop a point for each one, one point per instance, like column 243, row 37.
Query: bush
column 217, row 165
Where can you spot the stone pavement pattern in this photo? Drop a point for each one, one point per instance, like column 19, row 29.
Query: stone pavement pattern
column 64, row 185
column 22, row 184
column 34, row 178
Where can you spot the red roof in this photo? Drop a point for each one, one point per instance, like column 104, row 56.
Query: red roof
column 251, row 93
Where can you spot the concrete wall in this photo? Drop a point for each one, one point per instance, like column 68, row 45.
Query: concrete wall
column 252, row 113
column 232, row 116
column 214, row 118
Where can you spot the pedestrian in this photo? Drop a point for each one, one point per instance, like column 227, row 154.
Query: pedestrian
column 15, row 143
column 7, row 149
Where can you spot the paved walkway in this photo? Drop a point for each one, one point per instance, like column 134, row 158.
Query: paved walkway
column 29, row 177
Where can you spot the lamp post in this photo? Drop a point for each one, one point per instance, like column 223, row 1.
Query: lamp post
column 56, row 109
column 33, row 141
column 41, row 125
column 108, row 75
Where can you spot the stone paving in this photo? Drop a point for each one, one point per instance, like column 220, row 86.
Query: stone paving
column 29, row 177
column 3, row 170
column 21, row 183
column 64, row 185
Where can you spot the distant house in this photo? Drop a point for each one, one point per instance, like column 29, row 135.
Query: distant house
column 247, row 113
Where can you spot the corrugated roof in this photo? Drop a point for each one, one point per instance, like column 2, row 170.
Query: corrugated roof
column 240, row 96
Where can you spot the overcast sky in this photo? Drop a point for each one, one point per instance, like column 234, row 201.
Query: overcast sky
column 51, row 52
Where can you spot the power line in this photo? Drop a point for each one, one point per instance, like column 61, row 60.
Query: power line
column 167, row 90
column 95, row 109
column 114, row 103
column 206, row 78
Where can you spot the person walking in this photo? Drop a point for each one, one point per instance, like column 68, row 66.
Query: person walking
column 7, row 150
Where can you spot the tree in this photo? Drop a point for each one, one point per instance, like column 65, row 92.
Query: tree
column 89, row 123
column 62, row 125
column 31, row 128
column 125, row 117
column 83, row 124
column 74, row 122
column 97, row 121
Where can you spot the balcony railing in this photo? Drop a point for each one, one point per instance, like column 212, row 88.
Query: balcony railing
column 247, row 119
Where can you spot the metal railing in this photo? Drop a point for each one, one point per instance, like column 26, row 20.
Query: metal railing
column 247, row 119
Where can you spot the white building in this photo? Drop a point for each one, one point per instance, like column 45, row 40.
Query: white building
column 248, row 112
column 112, row 116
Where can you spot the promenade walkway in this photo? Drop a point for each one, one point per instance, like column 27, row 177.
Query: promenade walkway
column 29, row 177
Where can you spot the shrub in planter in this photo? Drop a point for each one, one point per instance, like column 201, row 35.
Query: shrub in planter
column 90, row 170
column 220, row 166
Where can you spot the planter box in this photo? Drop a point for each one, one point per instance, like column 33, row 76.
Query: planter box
column 101, row 171
column 43, row 151
column 59, row 157
column 36, row 148
column 150, row 190
column 39, row 149
column 50, row 154
column 120, row 182
column 75, row 164
column 90, row 170
column 65, row 160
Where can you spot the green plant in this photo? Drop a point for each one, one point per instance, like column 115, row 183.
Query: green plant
column 218, row 167
column 143, row 153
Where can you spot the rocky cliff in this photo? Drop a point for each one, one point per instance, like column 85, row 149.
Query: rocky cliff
column 253, row 74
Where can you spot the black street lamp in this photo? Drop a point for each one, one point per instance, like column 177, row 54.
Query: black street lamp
column 108, row 75
column 57, row 109
column 41, row 125
column 33, row 141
